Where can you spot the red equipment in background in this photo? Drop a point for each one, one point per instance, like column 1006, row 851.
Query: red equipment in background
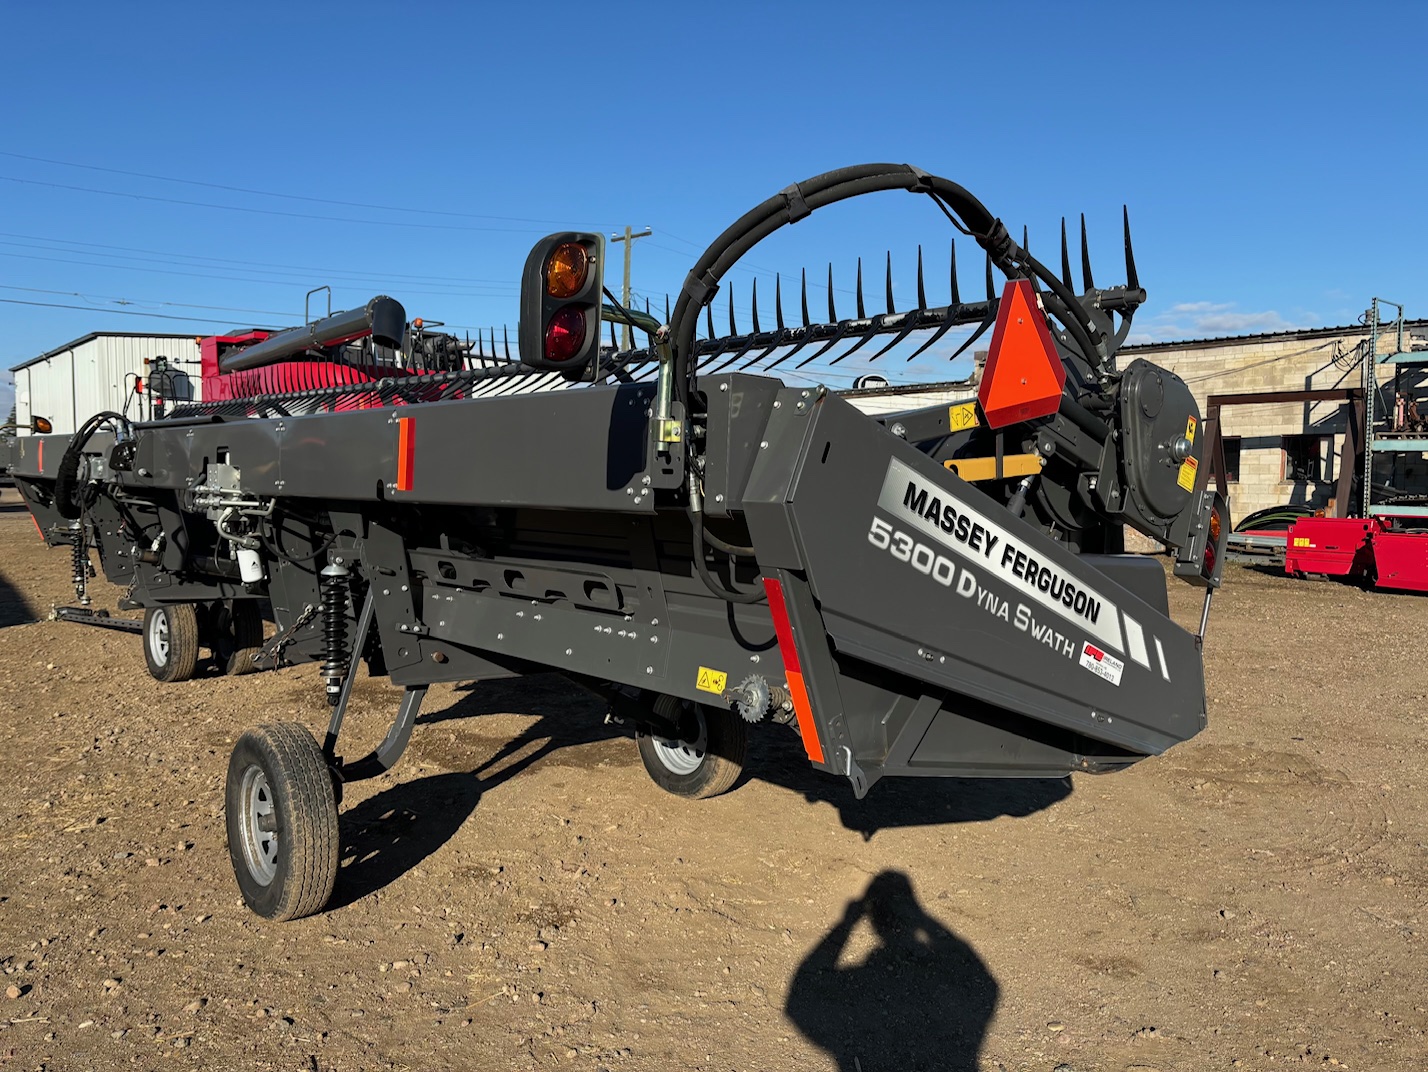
column 1377, row 550
column 358, row 346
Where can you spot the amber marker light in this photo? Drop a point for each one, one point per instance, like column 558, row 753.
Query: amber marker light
column 566, row 269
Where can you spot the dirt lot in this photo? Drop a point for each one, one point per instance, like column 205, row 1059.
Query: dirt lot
column 1253, row 899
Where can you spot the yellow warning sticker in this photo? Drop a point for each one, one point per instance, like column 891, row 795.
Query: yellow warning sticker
column 1190, row 430
column 962, row 416
column 711, row 681
column 1187, row 474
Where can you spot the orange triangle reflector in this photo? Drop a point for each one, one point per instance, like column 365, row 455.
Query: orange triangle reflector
column 1024, row 374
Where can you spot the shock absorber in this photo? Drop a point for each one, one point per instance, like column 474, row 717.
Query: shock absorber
column 79, row 561
column 333, row 584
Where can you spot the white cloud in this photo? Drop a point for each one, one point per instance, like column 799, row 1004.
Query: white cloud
column 1204, row 319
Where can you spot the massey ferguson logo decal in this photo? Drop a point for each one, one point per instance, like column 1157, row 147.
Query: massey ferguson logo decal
column 933, row 512
column 947, row 523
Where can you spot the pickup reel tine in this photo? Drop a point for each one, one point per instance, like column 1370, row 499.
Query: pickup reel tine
column 952, row 272
column 1087, row 283
column 1132, row 277
column 1065, row 259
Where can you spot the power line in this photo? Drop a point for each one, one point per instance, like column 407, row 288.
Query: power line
column 299, row 276
column 144, row 301
column 232, row 261
column 290, row 197
column 349, row 284
column 271, row 211
column 113, row 312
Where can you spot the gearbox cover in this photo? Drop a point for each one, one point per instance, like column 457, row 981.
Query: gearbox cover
column 1160, row 450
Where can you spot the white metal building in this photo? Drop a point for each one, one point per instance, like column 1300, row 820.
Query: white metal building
column 96, row 372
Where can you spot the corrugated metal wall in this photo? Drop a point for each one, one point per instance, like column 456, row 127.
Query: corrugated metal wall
column 73, row 385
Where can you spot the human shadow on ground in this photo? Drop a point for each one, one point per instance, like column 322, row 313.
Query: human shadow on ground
column 392, row 832
column 921, row 999
column 777, row 757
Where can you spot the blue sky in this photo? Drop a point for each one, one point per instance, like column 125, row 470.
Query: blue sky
column 1272, row 155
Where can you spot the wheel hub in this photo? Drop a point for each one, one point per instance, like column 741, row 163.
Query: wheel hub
column 681, row 756
column 159, row 638
column 260, row 829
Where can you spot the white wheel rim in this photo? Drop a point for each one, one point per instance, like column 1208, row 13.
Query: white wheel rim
column 159, row 638
column 679, row 756
column 259, row 822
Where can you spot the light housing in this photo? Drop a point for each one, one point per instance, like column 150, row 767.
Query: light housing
column 561, row 293
column 1201, row 561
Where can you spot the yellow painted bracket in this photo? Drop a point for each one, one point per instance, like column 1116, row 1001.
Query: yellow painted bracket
column 974, row 469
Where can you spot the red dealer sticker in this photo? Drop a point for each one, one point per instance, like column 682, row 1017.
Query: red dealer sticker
column 1101, row 663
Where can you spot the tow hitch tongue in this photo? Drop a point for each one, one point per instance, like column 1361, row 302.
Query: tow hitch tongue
column 712, row 551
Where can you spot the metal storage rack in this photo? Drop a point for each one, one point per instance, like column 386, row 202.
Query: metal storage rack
column 1382, row 438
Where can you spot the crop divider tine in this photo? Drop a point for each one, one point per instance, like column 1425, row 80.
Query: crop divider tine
column 907, row 330
column 838, row 336
column 874, row 330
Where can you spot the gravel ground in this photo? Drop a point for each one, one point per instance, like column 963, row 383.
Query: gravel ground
column 1253, row 899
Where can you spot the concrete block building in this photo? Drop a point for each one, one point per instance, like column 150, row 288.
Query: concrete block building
column 1291, row 452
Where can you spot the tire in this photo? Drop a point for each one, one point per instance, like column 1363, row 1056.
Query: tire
column 237, row 635
column 171, row 641
column 704, row 767
column 281, row 816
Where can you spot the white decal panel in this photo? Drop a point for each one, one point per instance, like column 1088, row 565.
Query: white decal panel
column 933, row 514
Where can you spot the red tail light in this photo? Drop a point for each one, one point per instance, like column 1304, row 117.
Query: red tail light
column 565, row 334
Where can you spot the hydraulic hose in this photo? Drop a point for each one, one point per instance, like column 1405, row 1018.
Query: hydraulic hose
column 67, row 501
column 696, row 519
column 799, row 200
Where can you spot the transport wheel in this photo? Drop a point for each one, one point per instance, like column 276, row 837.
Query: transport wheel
column 704, row 766
column 237, row 635
column 171, row 641
column 281, row 816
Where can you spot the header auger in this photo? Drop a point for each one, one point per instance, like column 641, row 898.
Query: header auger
column 931, row 593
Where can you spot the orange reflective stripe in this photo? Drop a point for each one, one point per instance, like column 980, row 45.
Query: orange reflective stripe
column 797, row 690
column 406, row 453
column 807, row 728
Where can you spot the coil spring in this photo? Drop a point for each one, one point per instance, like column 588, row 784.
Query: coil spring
column 333, row 583
column 79, row 562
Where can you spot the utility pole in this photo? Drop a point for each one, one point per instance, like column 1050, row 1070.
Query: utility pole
column 629, row 239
